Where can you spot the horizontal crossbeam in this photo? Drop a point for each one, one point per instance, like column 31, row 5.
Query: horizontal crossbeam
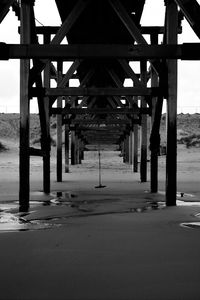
column 125, row 91
column 187, row 51
column 99, row 111
column 101, row 122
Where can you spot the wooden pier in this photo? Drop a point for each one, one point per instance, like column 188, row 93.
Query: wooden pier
column 103, row 39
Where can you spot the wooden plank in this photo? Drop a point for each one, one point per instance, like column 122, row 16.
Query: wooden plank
column 24, row 158
column 171, row 160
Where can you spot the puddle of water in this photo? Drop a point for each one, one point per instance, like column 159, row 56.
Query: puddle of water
column 12, row 223
column 187, row 203
column 193, row 225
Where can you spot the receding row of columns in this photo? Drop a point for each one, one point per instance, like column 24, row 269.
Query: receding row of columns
column 130, row 145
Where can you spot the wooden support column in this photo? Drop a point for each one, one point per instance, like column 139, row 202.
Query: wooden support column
column 73, row 147
column 171, row 162
column 47, row 144
column 24, row 158
column 135, row 150
column 59, row 128
column 126, row 149
column 143, row 156
column 131, row 147
column 154, row 146
column 66, row 146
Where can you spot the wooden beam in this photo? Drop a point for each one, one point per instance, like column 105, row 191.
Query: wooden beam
column 135, row 145
column 143, row 29
column 77, row 91
column 100, row 111
column 128, row 21
column 5, row 8
column 66, row 148
column 171, row 160
column 24, row 158
column 99, row 122
column 143, row 156
column 62, row 32
column 191, row 11
column 46, row 117
column 155, row 120
column 186, row 51
column 130, row 73
column 59, row 128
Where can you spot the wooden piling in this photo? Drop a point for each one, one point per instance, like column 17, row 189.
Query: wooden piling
column 59, row 129
column 171, row 160
column 47, row 144
column 154, row 150
column 143, row 157
column 24, row 158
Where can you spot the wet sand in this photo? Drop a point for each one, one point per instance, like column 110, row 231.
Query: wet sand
column 118, row 242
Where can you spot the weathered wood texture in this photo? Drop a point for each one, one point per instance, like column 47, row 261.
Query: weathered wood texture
column 171, row 162
column 24, row 158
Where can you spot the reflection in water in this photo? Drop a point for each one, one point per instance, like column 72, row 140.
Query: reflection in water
column 193, row 225
column 15, row 222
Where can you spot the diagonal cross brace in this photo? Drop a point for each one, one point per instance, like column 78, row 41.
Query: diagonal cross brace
column 191, row 11
column 131, row 27
column 62, row 32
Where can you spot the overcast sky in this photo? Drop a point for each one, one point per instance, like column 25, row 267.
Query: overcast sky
column 188, row 74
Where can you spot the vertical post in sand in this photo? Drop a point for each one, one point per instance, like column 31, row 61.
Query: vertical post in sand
column 47, row 144
column 154, row 149
column 143, row 158
column 24, row 157
column 59, row 129
column 135, row 146
column 66, row 144
column 171, row 163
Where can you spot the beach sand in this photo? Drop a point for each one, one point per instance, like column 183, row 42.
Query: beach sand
column 117, row 242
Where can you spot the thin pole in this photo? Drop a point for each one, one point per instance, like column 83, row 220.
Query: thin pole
column 100, row 185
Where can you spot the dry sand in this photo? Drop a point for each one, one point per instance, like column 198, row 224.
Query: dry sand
column 109, row 243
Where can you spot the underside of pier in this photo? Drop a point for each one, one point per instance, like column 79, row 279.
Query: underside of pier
column 102, row 43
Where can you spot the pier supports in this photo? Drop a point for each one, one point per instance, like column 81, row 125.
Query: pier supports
column 143, row 155
column 171, row 163
column 24, row 158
